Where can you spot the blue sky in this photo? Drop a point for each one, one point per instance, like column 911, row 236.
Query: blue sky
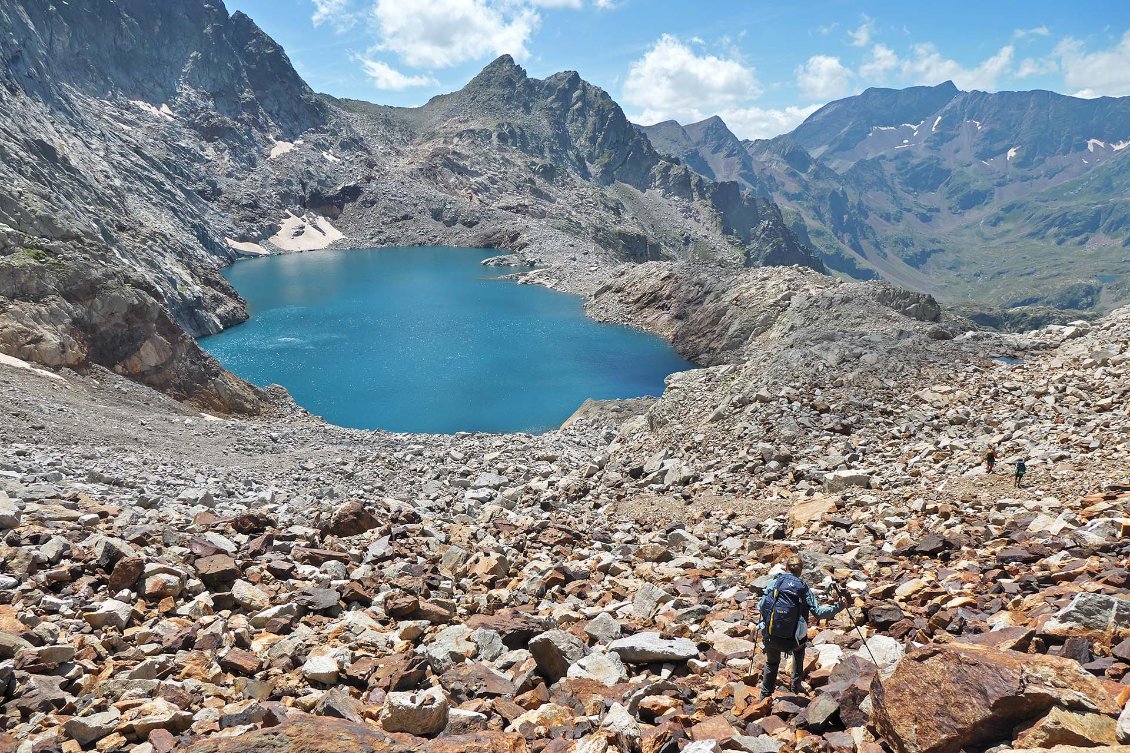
column 761, row 66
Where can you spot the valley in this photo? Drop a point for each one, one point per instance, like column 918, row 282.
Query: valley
column 191, row 563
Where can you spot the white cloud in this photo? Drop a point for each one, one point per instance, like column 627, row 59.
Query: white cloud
column 672, row 80
column 385, row 76
column 823, row 77
column 759, row 123
column 558, row 3
column 442, row 33
column 861, row 36
column 337, row 13
column 1035, row 67
column 928, row 66
column 883, row 60
column 1035, row 31
column 1096, row 74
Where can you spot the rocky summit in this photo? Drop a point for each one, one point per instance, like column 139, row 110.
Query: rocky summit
column 190, row 563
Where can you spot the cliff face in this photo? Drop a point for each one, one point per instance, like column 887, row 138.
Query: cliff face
column 116, row 120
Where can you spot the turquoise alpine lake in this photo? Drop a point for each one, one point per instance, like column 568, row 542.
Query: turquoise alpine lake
column 428, row 340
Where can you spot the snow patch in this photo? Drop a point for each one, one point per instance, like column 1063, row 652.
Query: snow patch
column 19, row 363
column 1092, row 143
column 158, row 112
column 251, row 249
column 882, row 128
column 1012, row 153
column 935, row 126
column 1118, row 147
column 279, row 148
column 306, row 233
column 330, row 157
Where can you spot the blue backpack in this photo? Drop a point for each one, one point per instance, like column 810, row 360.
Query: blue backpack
column 785, row 605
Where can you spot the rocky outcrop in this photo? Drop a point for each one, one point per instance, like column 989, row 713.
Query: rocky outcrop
column 64, row 313
column 715, row 316
column 943, row 699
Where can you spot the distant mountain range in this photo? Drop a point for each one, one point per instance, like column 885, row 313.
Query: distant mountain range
column 1011, row 198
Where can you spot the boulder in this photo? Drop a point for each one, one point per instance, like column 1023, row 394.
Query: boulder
column 110, row 613
column 9, row 513
column 554, row 651
column 217, row 569
column 603, row 628
column 92, row 727
column 156, row 714
column 886, row 651
column 1062, row 727
column 321, row 667
column 11, row 644
column 352, row 519
column 837, row 481
column 449, row 647
column 249, row 597
column 607, row 669
column 810, row 510
column 422, row 713
column 1091, row 614
column 643, row 648
column 940, row 699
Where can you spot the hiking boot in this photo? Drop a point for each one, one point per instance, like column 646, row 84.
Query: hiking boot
column 797, row 688
column 763, row 696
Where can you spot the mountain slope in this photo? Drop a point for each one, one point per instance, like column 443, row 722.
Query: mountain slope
column 148, row 144
column 967, row 195
column 560, row 155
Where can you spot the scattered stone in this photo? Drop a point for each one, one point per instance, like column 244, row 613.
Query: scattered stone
column 422, row 713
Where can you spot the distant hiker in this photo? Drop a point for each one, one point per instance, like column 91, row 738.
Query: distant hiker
column 990, row 459
column 784, row 623
column 1021, row 469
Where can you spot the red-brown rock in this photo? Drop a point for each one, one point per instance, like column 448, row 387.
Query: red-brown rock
column 304, row 733
column 941, row 699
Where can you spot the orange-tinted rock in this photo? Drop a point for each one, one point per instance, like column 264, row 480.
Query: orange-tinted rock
column 941, row 699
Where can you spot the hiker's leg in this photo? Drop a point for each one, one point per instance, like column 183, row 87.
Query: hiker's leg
column 772, row 664
column 798, row 668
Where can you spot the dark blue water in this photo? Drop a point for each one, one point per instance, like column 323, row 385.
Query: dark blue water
column 426, row 340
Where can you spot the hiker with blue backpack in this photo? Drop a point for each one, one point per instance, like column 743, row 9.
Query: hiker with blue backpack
column 784, row 608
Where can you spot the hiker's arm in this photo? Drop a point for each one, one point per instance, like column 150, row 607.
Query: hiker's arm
column 820, row 611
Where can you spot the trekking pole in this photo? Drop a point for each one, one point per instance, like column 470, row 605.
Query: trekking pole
column 847, row 608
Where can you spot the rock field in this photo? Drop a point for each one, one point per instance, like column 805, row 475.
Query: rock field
column 174, row 580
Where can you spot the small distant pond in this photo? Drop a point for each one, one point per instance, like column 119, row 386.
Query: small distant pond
column 428, row 340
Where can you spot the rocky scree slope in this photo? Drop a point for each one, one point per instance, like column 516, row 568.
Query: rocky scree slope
column 172, row 579
column 146, row 145
column 278, row 583
column 967, row 195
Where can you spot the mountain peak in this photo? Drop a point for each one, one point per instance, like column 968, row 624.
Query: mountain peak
column 500, row 72
column 502, row 64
